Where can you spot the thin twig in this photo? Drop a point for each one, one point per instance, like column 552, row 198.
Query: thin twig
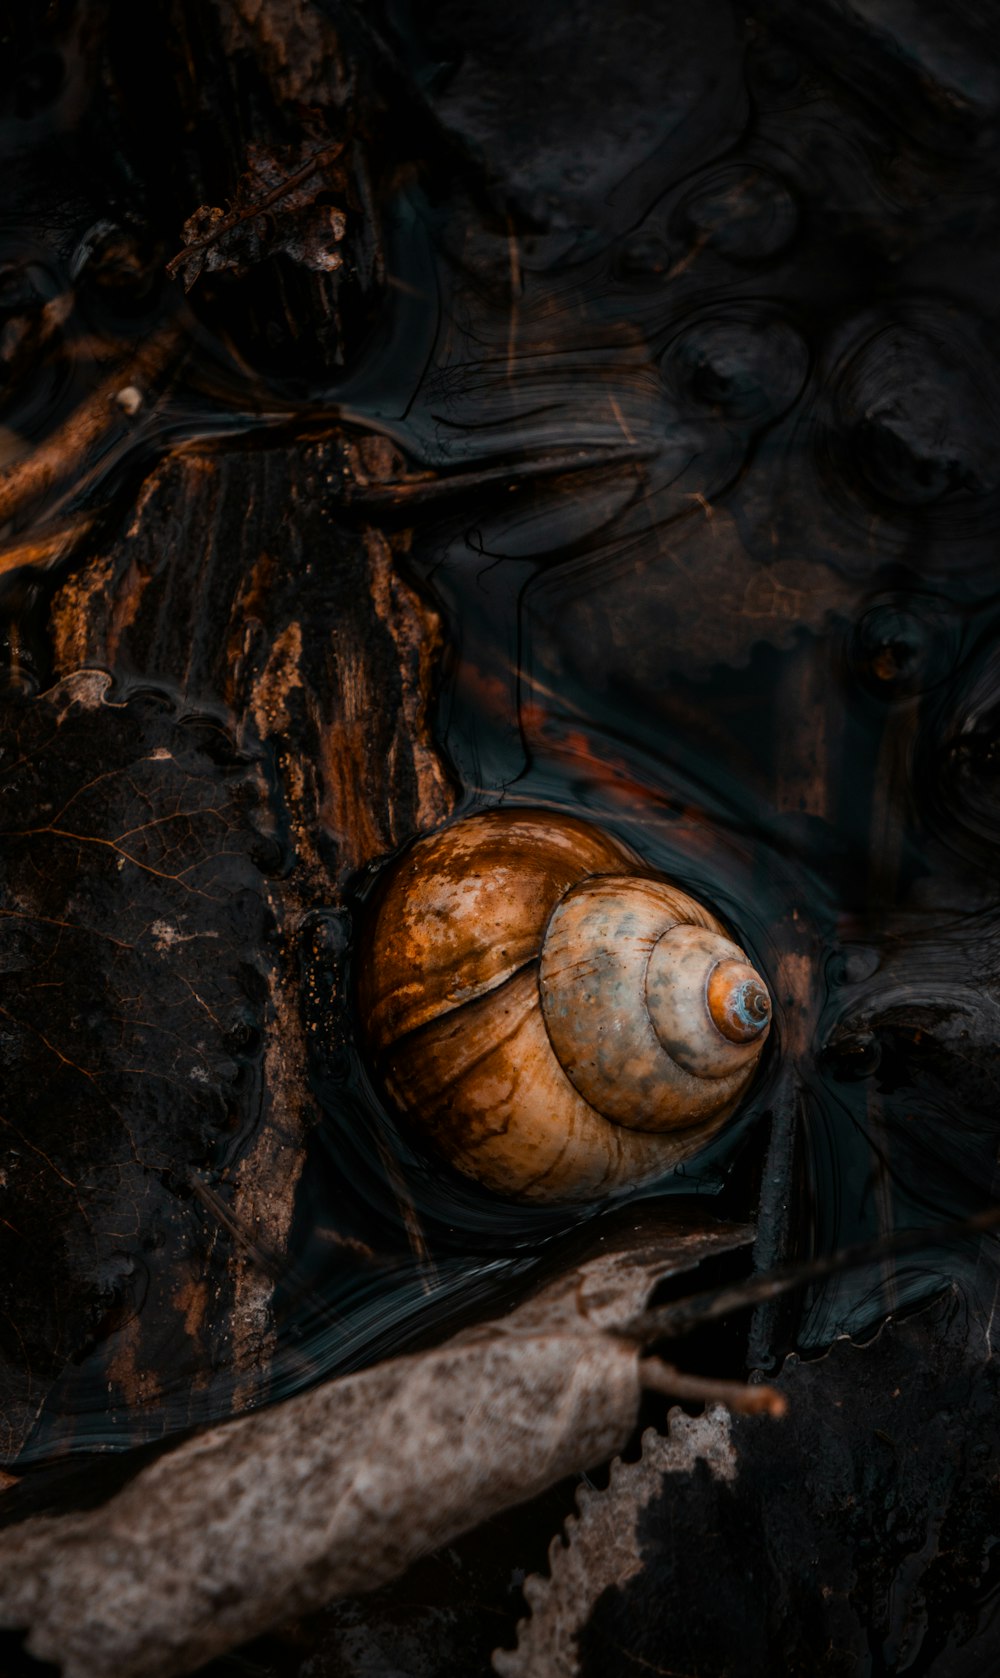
column 273, row 1267
column 801, row 788
column 410, row 1217
column 234, row 218
column 743, row 1400
column 278, row 1269
column 774, row 1217
column 98, row 423
column 671, row 1321
column 44, row 548
column 417, row 489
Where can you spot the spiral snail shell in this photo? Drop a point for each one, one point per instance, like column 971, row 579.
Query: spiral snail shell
column 557, row 1020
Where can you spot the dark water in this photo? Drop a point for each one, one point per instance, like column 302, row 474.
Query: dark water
column 703, row 347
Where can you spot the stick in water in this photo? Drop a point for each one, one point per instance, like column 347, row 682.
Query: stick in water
column 671, row 1321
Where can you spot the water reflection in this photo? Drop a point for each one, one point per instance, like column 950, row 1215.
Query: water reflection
column 713, row 538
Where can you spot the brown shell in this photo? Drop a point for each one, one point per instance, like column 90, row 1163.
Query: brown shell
column 480, row 996
column 488, row 1092
column 462, row 910
column 594, row 970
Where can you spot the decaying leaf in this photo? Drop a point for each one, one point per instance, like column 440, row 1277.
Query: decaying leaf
column 863, row 1544
column 281, row 203
column 601, row 1548
column 137, row 947
column 703, row 595
column 338, row 1490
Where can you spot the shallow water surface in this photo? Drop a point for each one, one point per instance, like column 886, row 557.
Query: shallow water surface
column 698, row 355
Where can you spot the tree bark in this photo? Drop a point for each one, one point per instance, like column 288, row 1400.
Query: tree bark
column 239, row 590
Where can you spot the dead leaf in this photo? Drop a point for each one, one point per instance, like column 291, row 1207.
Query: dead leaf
column 601, row 1546
column 136, row 942
column 280, row 205
column 340, row 1489
column 864, row 1543
column 702, row 600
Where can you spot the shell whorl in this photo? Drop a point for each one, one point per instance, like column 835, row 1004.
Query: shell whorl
column 557, row 1020
column 624, row 974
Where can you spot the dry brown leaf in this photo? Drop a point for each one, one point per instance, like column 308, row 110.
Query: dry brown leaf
column 142, row 990
column 703, row 600
column 281, row 203
column 868, row 1524
column 601, row 1547
column 340, row 1489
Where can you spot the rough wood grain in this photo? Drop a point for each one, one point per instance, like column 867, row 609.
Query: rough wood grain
column 234, row 590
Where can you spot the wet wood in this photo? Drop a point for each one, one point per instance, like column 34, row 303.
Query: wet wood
column 307, row 645
column 688, row 511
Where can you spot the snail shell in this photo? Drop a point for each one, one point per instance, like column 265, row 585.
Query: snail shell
column 557, row 1020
